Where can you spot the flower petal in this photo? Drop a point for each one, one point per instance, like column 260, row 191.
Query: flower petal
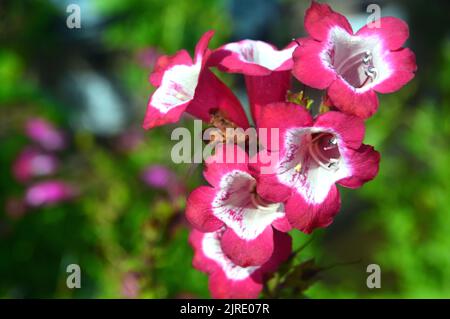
column 281, row 117
column 403, row 65
column 392, row 31
column 154, row 117
column 199, row 210
column 320, row 19
column 201, row 48
column 349, row 128
column 268, row 186
column 254, row 58
column 213, row 95
column 165, row 62
column 263, row 90
column 247, row 253
column 281, row 252
column 309, row 67
column 307, row 216
column 364, row 164
column 353, row 101
column 228, row 280
column 228, row 158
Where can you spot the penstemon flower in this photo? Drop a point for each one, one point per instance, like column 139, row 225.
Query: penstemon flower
column 45, row 134
column 188, row 85
column 49, row 192
column 313, row 156
column 32, row 162
column 267, row 70
column 250, row 222
column 353, row 67
column 226, row 279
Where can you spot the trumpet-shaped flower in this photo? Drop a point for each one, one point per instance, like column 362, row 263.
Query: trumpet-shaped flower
column 188, row 85
column 250, row 222
column 352, row 67
column 32, row 162
column 313, row 155
column 226, row 279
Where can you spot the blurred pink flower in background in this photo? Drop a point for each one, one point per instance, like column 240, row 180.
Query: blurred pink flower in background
column 45, row 134
column 161, row 177
column 130, row 285
column 32, row 162
column 49, row 192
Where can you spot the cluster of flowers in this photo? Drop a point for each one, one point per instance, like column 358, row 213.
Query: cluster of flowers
column 36, row 163
column 241, row 221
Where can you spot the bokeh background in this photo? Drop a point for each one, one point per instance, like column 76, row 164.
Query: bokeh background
column 114, row 204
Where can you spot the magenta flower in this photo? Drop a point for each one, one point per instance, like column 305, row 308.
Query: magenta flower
column 188, row 85
column 353, row 67
column 130, row 285
column 267, row 70
column 250, row 222
column 313, row 155
column 32, row 162
column 226, row 279
column 45, row 134
column 48, row 193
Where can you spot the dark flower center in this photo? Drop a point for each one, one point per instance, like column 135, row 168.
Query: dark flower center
column 261, row 203
column 324, row 149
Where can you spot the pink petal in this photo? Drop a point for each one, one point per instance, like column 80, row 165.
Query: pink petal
column 202, row 46
column 228, row 280
column 213, row 95
column 267, row 89
column 247, row 253
column 364, row 163
column 165, row 62
column 246, row 283
column 281, row 116
column 222, row 287
column 199, row 211
column 254, row 58
column 403, row 65
column 309, row 216
column 353, row 101
column 281, row 252
column 268, row 186
column 393, row 32
column 320, row 19
column 349, row 128
column 309, row 67
column 227, row 158
column 154, row 117
column 282, row 224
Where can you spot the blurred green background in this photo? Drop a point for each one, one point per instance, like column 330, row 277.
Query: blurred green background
column 129, row 236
